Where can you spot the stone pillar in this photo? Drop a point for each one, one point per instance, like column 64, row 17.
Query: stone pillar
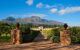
column 65, row 39
column 15, row 35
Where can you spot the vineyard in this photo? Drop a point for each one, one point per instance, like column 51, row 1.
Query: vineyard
column 50, row 34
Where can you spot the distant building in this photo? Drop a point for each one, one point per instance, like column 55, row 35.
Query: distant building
column 40, row 27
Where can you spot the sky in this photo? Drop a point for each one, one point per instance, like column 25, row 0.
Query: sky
column 66, row 11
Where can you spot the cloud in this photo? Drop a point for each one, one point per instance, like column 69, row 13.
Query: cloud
column 47, row 6
column 37, row 14
column 18, row 15
column 29, row 2
column 69, row 10
column 28, row 15
column 53, row 10
column 39, row 5
column 50, row 6
column 66, row 10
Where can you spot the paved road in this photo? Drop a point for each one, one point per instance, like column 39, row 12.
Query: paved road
column 43, row 45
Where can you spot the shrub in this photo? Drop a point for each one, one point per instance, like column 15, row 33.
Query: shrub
column 28, row 35
column 75, row 34
column 52, row 34
column 47, row 33
column 56, row 35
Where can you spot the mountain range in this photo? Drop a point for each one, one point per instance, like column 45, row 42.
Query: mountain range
column 33, row 20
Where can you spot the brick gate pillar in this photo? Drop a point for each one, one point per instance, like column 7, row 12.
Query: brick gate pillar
column 65, row 39
column 15, row 35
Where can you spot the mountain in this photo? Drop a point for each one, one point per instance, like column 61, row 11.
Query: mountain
column 33, row 20
column 9, row 19
column 37, row 20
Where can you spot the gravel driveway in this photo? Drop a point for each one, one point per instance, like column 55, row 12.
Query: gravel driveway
column 43, row 45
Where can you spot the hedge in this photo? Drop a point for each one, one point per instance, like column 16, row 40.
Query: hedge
column 51, row 34
column 75, row 34
column 28, row 35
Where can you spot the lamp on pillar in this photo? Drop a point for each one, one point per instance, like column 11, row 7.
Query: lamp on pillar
column 65, row 26
column 17, row 26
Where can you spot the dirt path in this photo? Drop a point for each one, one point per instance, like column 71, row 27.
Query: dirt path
column 44, row 45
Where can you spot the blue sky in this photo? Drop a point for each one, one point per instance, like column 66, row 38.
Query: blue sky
column 67, row 11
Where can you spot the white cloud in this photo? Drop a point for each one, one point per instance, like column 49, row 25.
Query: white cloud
column 69, row 10
column 28, row 15
column 54, row 10
column 47, row 6
column 50, row 6
column 39, row 5
column 66, row 10
column 62, row 11
column 18, row 15
column 37, row 14
column 29, row 2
